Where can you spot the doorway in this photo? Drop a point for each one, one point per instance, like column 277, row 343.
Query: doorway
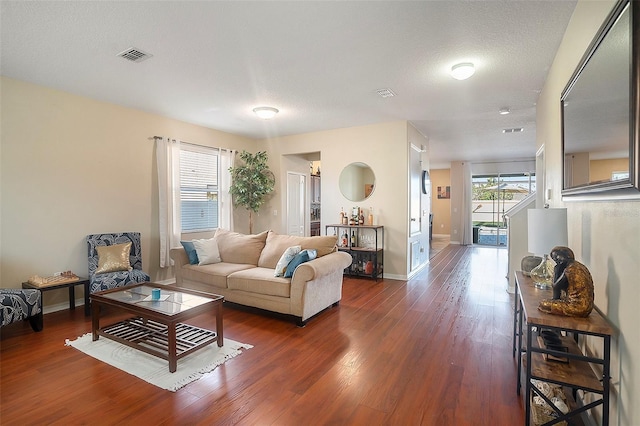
column 493, row 196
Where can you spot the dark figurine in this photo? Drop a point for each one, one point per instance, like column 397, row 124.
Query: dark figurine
column 572, row 286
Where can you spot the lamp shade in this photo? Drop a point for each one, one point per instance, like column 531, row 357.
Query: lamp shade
column 547, row 228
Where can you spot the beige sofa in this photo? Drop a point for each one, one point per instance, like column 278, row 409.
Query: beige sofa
column 246, row 274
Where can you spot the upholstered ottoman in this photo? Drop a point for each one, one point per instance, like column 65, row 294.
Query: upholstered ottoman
column 20, row 304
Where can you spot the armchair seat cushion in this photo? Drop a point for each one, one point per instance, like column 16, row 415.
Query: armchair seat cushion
column 110, row 280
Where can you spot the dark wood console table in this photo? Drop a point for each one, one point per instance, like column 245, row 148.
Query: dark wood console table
column 579, row 373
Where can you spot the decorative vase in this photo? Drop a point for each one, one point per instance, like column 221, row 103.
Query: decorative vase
column 368, row 268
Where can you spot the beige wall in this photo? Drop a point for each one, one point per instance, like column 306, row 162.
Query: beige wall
column 604, row 235
column 384, row 147
column 441, row 207
column 601, row 170
column 72, row 166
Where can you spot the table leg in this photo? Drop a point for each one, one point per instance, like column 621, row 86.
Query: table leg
column 173, row 359
column 87, row 307
column 72, row 296
column 95, row 321
column 219, row 330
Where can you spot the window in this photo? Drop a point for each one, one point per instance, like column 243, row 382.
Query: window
column 199, row 188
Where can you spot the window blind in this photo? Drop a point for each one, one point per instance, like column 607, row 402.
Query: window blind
column 199, row 188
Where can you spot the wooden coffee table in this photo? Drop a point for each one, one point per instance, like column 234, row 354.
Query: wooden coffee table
column 156, row 326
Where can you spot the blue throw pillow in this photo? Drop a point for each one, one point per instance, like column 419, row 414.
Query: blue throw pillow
column 191, row 252
column 298, row 259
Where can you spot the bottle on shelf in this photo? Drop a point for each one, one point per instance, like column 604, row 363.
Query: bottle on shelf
column 361, row 217
column 370, row 215
column 342, row 215
column 345, row 240
column 354, row 243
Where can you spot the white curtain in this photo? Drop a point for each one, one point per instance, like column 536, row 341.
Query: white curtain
column 227, row 159
column 467, row 195
column 168, row 159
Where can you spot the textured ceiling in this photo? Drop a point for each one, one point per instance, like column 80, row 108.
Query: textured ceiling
column 320, row 63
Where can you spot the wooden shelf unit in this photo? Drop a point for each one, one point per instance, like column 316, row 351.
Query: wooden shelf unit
column 360, row 255
column 579, row 373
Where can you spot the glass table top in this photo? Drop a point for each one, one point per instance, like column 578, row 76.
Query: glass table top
column 170, row 302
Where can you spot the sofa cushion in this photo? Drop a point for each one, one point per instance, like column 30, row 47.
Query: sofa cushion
column 261, row 281
column 299, row 259
column 240, row 248
column 286, row 257
column 190, row 249
column 207, row 250
column 276, row 245
column 214, row 274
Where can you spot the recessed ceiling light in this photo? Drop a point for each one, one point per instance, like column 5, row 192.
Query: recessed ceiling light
column 265, row 113
column 462, row 71
column 504, row 111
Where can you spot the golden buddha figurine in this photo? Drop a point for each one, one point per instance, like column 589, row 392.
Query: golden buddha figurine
column 572, row 286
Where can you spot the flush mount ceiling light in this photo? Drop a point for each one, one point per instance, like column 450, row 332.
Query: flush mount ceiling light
column 504, row 111
column 462, row 71
column 265, row 113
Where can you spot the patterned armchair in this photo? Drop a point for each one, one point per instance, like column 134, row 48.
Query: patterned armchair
column 109, row 280
column 21, row 304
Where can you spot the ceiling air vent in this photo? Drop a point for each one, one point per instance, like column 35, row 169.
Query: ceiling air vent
column 134, row 55
column 385, row 93
column 514, row 130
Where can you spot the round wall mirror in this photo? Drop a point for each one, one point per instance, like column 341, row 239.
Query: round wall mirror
column 357, row 182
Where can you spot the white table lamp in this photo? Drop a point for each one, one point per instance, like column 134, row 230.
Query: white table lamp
column 547, row 228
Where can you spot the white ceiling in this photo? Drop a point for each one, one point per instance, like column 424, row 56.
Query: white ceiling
column 319, row 63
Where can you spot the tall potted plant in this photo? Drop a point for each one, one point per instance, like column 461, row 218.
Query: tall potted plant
column 251, row 182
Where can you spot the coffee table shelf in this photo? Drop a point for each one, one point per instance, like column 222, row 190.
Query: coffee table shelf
column 152, row 337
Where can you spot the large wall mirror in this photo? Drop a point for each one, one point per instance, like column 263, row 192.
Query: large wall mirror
column 357, row 182
column 600, row 139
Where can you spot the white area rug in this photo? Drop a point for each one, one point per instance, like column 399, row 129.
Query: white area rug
column 156, row 370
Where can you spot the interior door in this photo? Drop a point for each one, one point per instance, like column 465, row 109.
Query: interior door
column 296, row 189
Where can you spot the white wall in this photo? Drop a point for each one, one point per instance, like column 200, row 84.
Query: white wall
column 72, row 166
column 605, row 235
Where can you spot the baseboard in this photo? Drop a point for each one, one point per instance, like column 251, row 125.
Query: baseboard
column 80, row 302
column 395, row 277
column 417, row 270
column 62, row 306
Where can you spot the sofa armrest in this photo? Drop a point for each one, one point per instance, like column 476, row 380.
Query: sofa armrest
column 180, row 258
column 320, row 267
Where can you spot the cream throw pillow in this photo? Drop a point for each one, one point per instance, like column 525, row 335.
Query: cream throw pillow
column 113, row 258
column 286, row 257
column 207, row 250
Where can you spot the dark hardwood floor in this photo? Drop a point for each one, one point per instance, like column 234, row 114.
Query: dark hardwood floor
column 435, row 350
